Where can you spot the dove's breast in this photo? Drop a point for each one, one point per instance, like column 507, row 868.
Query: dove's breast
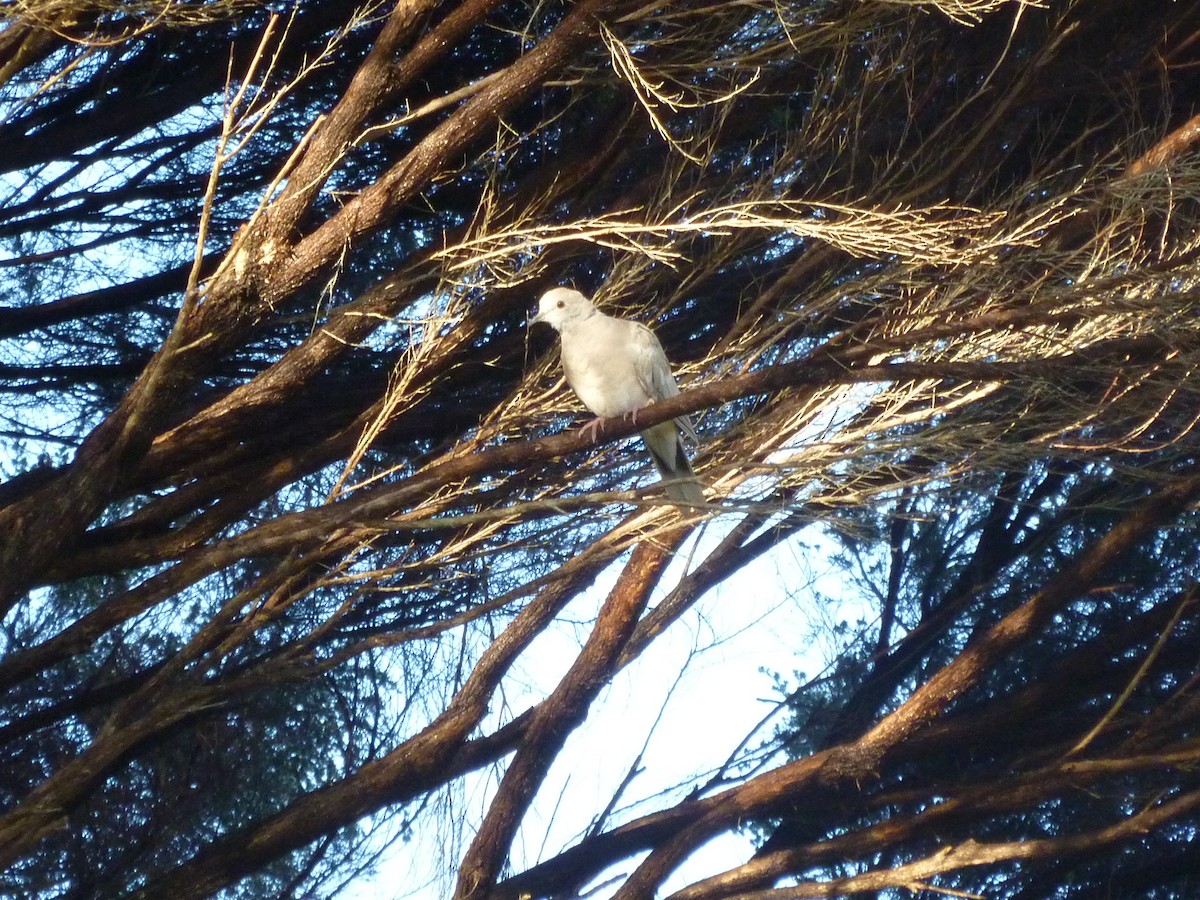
column 599, row 360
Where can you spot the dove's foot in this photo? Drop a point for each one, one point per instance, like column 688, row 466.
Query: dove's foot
column 633, row 413
column 592, row 429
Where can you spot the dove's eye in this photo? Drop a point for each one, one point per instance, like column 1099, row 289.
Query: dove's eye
column 562, row 303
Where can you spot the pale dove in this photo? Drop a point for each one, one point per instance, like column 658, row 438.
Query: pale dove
column 617, row 366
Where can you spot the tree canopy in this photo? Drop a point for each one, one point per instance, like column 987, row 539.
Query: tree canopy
column 290, row 489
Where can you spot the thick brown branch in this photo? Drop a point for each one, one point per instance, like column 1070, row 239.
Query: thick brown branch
column 561, row 713
column 1175, row 144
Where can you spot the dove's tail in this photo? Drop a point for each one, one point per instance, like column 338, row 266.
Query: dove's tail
column 666, row 449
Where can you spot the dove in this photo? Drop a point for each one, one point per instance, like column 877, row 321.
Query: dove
column 617, row 366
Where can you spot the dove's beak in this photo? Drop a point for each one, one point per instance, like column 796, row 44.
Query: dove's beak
column 533, row 318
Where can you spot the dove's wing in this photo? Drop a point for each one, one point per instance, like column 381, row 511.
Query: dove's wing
column 654, row 372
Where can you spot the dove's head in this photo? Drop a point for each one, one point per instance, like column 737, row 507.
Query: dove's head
column 560, row 306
